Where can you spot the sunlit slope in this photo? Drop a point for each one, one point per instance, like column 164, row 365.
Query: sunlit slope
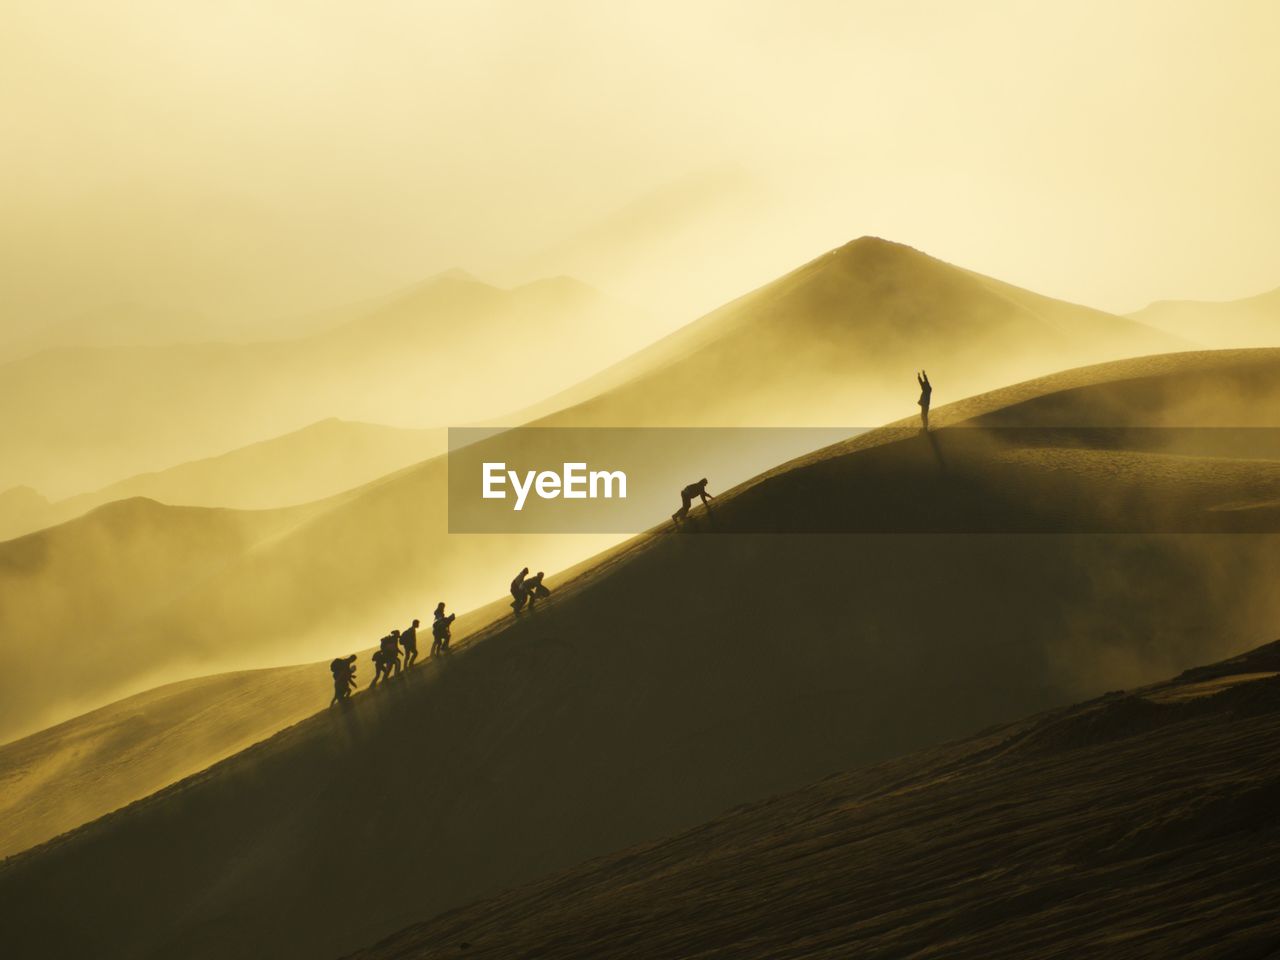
column 1138, row 825
column 447, row 351
column 70, row 594
column 383, row 553
column 838, row 341
column 83, row 768
column 1251, row 322
column 317, row 461
column 59, row 778
column 685, row 674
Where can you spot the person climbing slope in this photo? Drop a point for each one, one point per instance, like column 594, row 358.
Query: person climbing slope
column 388, row 657
column 534, row 589
column 926, row 393
column 344, row 678
column 440, row 634
column 698, row 489
column 409, row 640
column 517, row 590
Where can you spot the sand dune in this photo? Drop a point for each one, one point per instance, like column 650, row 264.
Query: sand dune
column 837, row 341
column 448, row 351
column 681, row 675
column 313, row 463
column 854, row 323
column 76, row 771
column 68, row 595
column 1138, row 825
column 1251, row 322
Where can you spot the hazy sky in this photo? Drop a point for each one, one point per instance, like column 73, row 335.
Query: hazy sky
column 243, row 159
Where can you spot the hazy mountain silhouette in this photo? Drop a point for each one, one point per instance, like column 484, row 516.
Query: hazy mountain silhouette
column 118, row 324
column 838, row 340
column 1251, row 322
column 444, row 352
column 315, row 462
column 652, row 692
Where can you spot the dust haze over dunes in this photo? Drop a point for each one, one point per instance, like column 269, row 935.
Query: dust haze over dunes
column 73, row 594
column 74, row 772
column 680, row 675
column 835, row 343
column 446, row 351
column 318, row 461
column 1251, row 322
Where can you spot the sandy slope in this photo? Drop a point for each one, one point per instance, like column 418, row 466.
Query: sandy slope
column 318, row 461
column 1251, row 322
column 683, row 675
column 838, row 340
column 68, row 595
column 72, row 773
column 76, row 771
column 835, row 341
column 1139, row 825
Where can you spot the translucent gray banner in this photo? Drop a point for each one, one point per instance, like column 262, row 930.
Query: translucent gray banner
column 972, row 479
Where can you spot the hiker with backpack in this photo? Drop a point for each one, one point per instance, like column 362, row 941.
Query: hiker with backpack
column 534, row 589
column 344, row 678
column 440, row 634
column 518, row 596
column 409, row 640
column 387, row 657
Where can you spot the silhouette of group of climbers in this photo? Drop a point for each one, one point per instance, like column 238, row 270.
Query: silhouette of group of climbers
column 386, row 659
column 526, row 591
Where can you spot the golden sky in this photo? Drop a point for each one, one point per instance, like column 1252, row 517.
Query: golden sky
column 243, row 159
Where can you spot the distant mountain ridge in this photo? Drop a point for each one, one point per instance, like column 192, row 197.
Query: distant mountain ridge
column 1249, row 322
column 444, row 352
column 313, row 463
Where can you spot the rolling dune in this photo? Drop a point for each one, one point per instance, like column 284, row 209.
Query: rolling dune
column 68, row 594
column 834, row 342
column 680, row 675
column 1137, row 825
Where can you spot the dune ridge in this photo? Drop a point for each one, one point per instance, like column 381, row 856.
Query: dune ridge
column 794, row 656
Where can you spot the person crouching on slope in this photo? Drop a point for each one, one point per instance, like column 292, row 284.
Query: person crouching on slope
column 698, row 489
column 534, row 590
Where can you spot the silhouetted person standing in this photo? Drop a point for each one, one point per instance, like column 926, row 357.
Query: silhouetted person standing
column 409, row 640
column 698, row 489
column 926, row 392
column 440, row 630
column 517, row 590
